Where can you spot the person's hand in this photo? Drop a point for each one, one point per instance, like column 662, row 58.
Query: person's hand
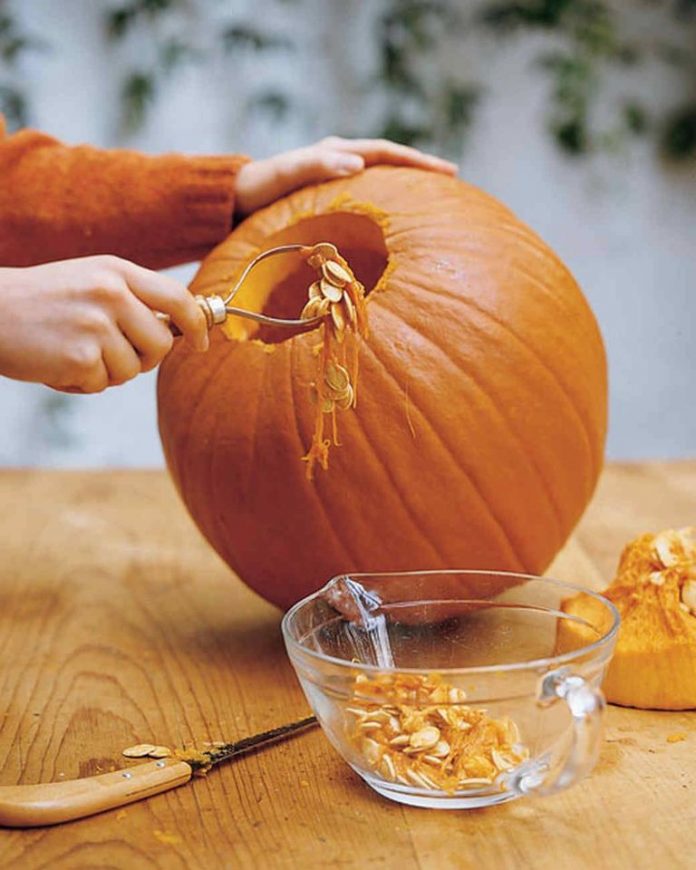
column 263, row 181
column 87, row 324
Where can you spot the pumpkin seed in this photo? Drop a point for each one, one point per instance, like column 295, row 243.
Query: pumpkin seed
column 387, row 767
column 140, row 750
column 325, row 249
column 311, row 309
column 330, row 291
column 426, row 738
column 688, row 595
column 417, row 778
column 324, row 306
column 350, row 310
column 315, row 291
column 338, row 319
column 345, row 401
column 664, row 551
column 474, row 782
column 336, row 274
column 372, row 751
column 337, row 377
column 160, row 752
column 502, row 762
column 441, row 749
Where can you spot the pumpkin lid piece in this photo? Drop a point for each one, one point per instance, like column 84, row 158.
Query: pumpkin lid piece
column 654, row 665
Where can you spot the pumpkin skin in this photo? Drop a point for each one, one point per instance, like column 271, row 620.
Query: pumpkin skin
column 479, row 431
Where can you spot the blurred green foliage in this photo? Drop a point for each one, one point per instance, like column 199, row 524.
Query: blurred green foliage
column 418, row 84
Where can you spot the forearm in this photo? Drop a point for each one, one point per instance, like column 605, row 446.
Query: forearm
column 58, row 202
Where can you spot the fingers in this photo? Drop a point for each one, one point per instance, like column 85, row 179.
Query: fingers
column 316, row 163
column 383, row 151
column 119, row 358
column 149, row 336
column 94, row 379
column 162, row 293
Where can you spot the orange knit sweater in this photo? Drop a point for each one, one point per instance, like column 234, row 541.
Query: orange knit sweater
column 58, row 201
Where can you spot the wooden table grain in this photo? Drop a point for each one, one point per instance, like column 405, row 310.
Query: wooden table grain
column 118, row 625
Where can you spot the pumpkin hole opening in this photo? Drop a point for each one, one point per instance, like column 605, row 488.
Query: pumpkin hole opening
column 279, row 286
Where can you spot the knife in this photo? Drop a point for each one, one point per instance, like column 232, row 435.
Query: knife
column 30, row 806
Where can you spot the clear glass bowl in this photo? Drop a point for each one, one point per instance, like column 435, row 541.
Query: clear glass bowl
column 439, row 697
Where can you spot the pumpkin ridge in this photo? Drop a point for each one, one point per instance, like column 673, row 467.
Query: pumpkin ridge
column 213, row 479
column 402, row 499
column 316, row 499
column 466, row 300
column 463, row 472
column 206, row 385
column 497, row 409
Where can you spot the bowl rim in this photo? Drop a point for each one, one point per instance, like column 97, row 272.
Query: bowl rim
column 544, row 663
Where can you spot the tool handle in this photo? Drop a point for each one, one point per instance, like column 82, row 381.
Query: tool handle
column 212, row 306
column 30, row 806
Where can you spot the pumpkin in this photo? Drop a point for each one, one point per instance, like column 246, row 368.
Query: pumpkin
column 654, row 664
column 480, row 423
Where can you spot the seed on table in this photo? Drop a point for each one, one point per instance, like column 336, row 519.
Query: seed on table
column 140, row 750
column 160, row 752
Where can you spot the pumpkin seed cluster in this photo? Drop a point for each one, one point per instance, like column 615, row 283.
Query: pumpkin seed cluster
column 418, row 731
column 339, row 298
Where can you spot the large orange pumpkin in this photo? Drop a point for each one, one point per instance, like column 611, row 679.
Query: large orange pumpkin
column 479, row 431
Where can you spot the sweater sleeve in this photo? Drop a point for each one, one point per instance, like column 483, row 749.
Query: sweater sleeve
column 58, row 202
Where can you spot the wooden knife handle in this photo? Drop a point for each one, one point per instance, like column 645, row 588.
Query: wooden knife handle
column 29, row 806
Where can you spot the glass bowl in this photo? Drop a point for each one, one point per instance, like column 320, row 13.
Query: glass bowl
column 454, row 689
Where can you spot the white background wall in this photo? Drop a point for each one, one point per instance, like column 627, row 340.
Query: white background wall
column 626, row 225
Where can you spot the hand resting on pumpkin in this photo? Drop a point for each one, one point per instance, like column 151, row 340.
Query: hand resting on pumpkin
column 263, row 181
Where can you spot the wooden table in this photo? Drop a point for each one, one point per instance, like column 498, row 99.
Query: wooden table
column 119, row 625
